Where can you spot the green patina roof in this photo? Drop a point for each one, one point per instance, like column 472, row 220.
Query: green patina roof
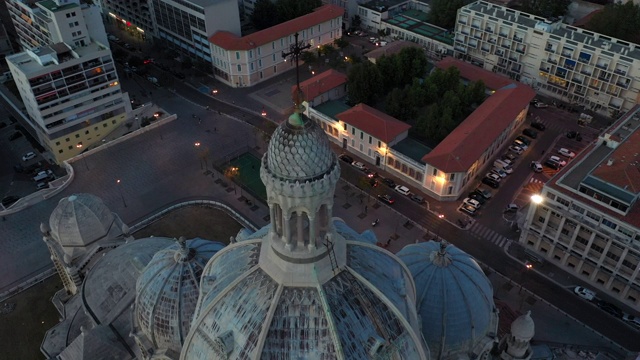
column 332, row 108
column 413, row 149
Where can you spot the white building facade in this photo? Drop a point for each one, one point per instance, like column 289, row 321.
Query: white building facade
column 588, row 221
column 249, row 60
column 72, row 95
column 568, row 63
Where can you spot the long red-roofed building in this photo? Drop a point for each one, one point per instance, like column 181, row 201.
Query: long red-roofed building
column 328, row 85
column 251, row 59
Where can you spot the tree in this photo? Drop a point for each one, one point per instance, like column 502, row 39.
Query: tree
column 356, row 21
column 263, row 15
column 341, row 43
column 621, row 21
column 546, row 8
column 365, row 83
column 309, row 57
column 291, row 9
column 388, row 70
column 443, row 12
column 412, row 63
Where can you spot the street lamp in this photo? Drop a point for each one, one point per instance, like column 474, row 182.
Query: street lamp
column 537, row 199
column 118, row 185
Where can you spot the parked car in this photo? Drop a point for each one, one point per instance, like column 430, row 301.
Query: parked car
column 28, row 156
column 483, row 192
column 9, row 200
column 468, row 209
column 511, row 157
column 572, row 134
column 610, row 308
column 358, row 165
column 42, row 185
column 386, row 199
column 402, row 190
column 516, row 149
column 567, row 153
column 371, row 173
column 493, row 176
column 499, row 172
column 558, row 160
column 417, row 198
column 15, row 135
column 477, row 197
column 511, row 208
column 475, row 203
column 346, row 158
column 523, row 139
column 390, row 183
column 530, row 133
column 584, row 293
column 520, row 144
column 632, row 320
column 552, row 164
column 538, row 125
column 536, row 166
column 491, row 182
column 540, row 105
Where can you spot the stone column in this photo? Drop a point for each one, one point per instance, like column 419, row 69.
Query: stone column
column 312, row 233
column 299, row 229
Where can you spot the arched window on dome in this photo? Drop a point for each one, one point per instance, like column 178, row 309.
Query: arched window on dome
column 300, row 228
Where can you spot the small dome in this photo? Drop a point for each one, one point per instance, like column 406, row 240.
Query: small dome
column 454, row 297
column 80, row 220
column 523, row 327
column 167, row 291
column 299, row 151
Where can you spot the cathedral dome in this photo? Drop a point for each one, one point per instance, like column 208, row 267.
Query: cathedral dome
column 299, row 150
column 81, row 219
column 366, row 310
column 455, row 298
column 167, row 292
column 110, row 286
column 523, row 327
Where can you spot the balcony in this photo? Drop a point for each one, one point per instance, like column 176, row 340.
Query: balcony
column 552, row 61
column 518, row 39
column 488, row 29
column 504, row 34
column 594, row 87
column 620, row 72
column 520, row 50
column 576, row 80
column 585, row 72
column 492, row 40
column 506, row 46
column 623, row 85
column 476, row 26
column 567, row 54
column 584, row 60
column 602, row 66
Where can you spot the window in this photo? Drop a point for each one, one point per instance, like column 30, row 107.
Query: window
column 77, row 136
column 260, row 74
column 275, row 69
column 452, row 177
column 104, row 125
column 250, row 54
column 273, row 57
column 379, row 143
column 450, row 190
column 70, row 147
column 57, row 142
column 273, row 45
column 259, row 63
column 251, row 66
column 67, row 139
column 593, row 216
column 577, row 208
column 237, row 55
column 344, row 125
column 608, row 223
column 112, row 121
column 353, row 131
column 361, row 135
column 563, row 201
column 60, row 151
column 435, row 172
column 370, row 139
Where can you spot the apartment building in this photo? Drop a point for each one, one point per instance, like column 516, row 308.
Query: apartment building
column 571, row 64
column 187, row 25
column 249, row 60
column 50, row 22
column 134, row 15
column 72, row 95
column 588, row 221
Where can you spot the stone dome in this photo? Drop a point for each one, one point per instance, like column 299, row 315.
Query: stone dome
column 299, row 151
column 523, row 327
column 366, row 310
column 167, row 291
column 81, row 219
column 454, row 297
column 109, row 288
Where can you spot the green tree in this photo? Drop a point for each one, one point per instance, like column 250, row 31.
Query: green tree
column 621, row 21
column 309, row 57
column 262, row 16
column 546, row 8
column 291, row 9
column 365, row 83
column 411, row 63
column 443, row 12
column 388, row 69
column 477, row 92
column 416, row 95
column 341, row 43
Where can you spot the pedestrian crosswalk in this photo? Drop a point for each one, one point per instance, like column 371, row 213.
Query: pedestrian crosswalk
column 480, row 231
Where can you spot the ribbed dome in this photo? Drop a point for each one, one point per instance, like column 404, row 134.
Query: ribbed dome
column 365, row 311
column 167, row 291
column 79, row 220
column 455, row 298
column 299, row 150
column 523, row 327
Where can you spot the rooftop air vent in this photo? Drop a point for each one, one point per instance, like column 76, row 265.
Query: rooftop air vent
column 610, row 162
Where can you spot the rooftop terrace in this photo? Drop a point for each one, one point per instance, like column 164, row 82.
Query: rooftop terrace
column 415, row 21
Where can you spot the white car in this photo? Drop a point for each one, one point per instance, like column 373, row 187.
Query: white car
column 500, row 172
column 520, row 144
column 540, row 105
column 558, row 160
column 402, row 190
column 358, row 165
column 584, row 293
column 536, row 166
column 516, row 149
column 28, row 156
column 472, row 202
column 493, row 176
column 567, row 153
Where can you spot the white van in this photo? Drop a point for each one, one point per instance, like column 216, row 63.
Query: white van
column 403, row 190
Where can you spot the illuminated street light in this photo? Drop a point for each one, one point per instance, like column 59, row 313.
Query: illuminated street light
column 441, row 217
column 537, row 199
column 118, row 185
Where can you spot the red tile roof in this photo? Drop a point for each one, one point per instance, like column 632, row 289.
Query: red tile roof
column 230, row 41
column 373, row 122
column 458, row 151
column 471, row 72
column 624, row 171
column 321, row 83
